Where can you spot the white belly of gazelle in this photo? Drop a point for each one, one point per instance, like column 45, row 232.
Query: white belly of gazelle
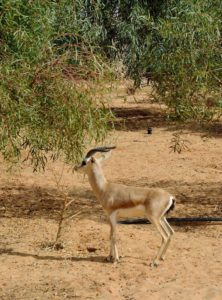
column 133, row 212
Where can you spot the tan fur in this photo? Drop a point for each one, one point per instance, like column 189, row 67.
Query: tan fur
column 116, row 197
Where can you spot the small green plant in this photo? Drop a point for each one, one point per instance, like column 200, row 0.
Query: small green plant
column 179, row 144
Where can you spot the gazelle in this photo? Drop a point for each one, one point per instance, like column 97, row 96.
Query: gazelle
column 114, row 198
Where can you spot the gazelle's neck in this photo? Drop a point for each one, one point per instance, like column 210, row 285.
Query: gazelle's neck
column 97, row 180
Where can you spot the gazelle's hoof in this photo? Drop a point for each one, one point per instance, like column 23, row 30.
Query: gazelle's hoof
column 162, row 258
column 154, row 264
column 109, row 258
column 112, row 259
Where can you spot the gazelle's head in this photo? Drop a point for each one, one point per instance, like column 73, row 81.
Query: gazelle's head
column 89, row 160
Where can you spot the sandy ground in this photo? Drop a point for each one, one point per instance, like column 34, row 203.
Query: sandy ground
column 30, row 205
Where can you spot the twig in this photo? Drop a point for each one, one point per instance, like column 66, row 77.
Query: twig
column 65, row 204
column 74, row 215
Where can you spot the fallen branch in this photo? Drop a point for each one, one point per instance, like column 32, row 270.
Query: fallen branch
column 174, row 220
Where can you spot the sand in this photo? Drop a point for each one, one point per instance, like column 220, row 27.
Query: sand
column 30, row 205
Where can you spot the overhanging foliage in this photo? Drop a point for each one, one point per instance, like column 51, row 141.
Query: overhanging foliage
column 49, row 80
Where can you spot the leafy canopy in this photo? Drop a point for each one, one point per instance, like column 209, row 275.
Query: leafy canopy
column 49, row 79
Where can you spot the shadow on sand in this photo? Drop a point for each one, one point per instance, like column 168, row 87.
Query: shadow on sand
column 139, row 118
column 196, row 199
column 11, row 252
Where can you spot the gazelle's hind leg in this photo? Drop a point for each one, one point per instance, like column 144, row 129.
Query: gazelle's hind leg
column 170, row 232
column 165, row 236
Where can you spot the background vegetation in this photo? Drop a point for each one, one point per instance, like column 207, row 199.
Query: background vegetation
column 55, row 56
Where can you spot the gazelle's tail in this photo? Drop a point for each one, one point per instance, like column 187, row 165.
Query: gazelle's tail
column 172, row 206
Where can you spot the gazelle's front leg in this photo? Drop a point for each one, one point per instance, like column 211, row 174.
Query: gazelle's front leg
column 114, row 256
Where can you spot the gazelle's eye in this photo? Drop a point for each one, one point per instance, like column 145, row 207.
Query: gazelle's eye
column 83, row 163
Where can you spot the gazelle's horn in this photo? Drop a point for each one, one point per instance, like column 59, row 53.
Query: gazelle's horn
column 99, row 149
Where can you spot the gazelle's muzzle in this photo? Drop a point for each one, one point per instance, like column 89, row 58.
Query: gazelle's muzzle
column 77, row 167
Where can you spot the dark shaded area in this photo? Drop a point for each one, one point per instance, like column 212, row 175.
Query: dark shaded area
column 192, row 200
column 29, row 202
column 177, row 221
column 139, row 118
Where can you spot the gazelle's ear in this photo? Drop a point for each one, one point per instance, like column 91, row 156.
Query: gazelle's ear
column 104, row 156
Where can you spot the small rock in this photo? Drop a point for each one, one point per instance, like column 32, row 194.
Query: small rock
column 91, row 249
